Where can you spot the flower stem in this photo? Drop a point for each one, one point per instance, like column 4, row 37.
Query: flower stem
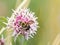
column 22, row 41
column 2, row 30
column 24, row 4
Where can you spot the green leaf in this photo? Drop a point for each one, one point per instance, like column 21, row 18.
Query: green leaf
column 2, row 19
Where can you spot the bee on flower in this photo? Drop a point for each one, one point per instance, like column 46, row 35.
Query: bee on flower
column 24, row 22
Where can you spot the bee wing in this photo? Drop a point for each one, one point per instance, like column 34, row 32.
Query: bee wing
column 30, row 22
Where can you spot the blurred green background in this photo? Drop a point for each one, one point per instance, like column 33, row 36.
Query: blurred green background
column 48, row 13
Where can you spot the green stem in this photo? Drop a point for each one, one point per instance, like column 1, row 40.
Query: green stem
column 2, row 30
column 22, row 41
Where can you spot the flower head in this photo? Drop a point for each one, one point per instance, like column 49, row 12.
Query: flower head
column 24, row 22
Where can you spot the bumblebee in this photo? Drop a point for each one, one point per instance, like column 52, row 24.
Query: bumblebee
column 26, row 26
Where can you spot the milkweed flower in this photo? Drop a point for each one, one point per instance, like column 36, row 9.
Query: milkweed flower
column 23, row 22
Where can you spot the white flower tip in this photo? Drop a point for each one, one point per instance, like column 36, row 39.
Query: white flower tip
column 5, row 23
column 8, row 18
column 31, row 36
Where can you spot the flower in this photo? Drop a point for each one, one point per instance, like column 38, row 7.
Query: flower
column 23, row 22
column 2, row 41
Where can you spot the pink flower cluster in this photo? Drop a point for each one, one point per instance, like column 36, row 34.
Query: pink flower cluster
column 25, row 23
column 19, row 22
column 1, row 42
